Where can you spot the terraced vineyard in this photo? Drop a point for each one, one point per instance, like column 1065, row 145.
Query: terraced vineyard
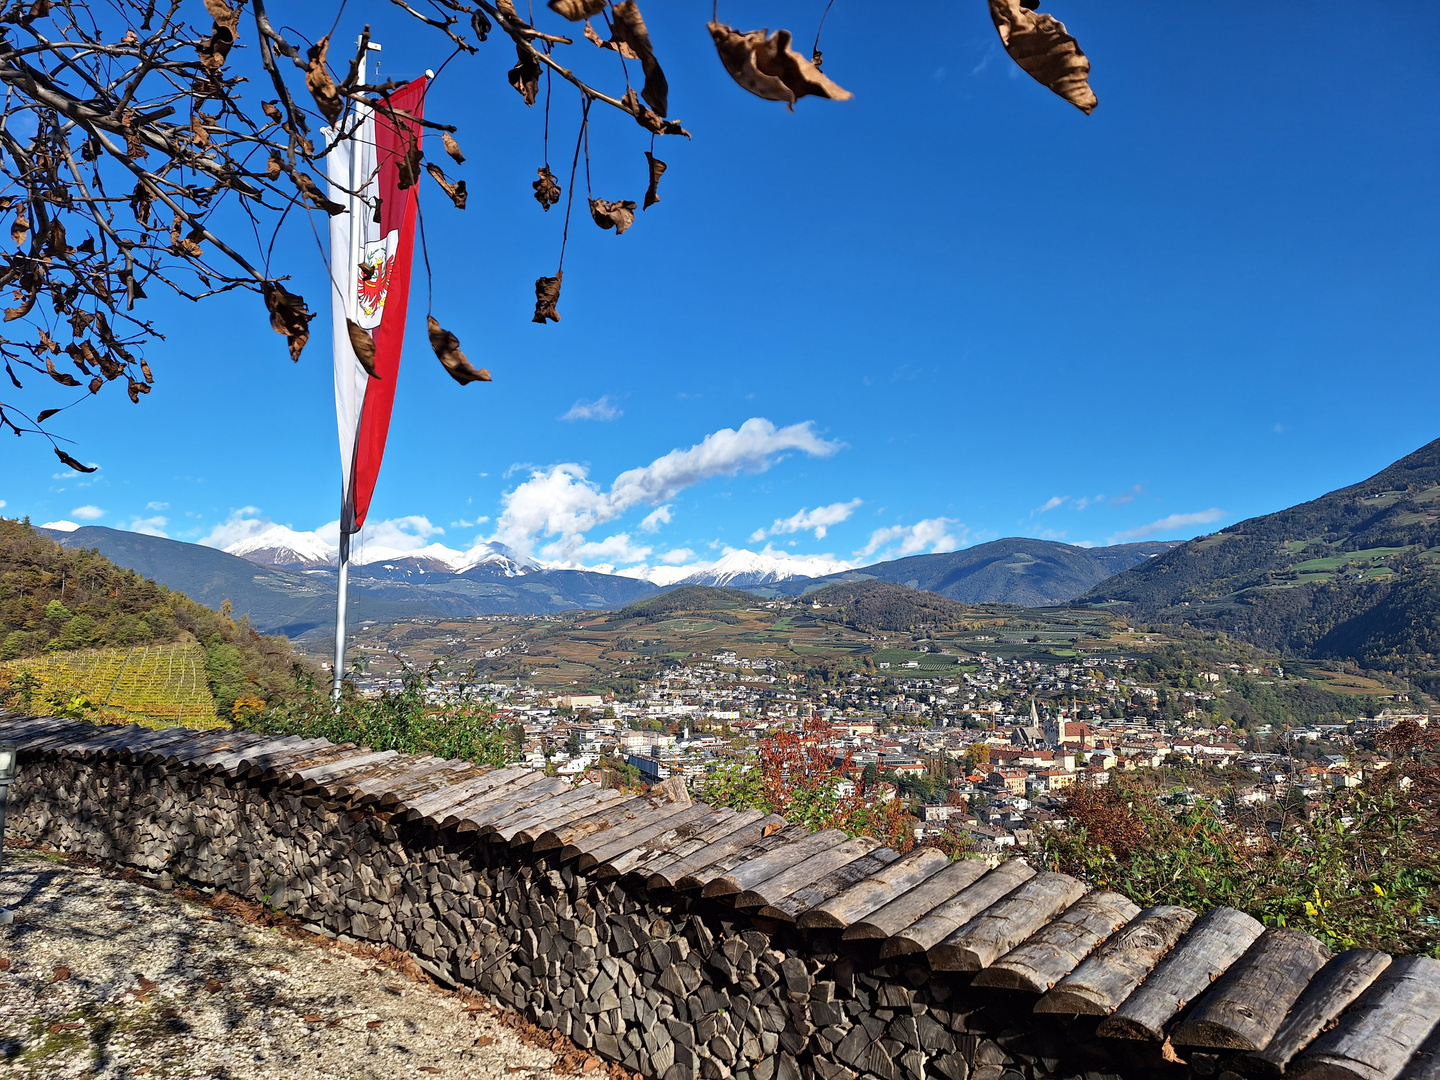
column 153, row 685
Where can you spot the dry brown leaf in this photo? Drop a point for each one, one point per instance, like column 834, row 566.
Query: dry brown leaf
column 21, row 228
column 78, row 467
column 628, row 28
column 64, row 378
column 452, row 147
column 319, row 82
column 274, row 166
column 624, row 50
column 525, row 75
column 769, row 68
column 373, row 1023
column 23, row 309
column 648, row 119
column 135, row 389
column 456, row 190
column 311, row 190
column 288, row 316
column 613, row 215
column 95, row 384
column 547, row 189
column 45, row 414
column 145, row 370
column 547, row 297
column 213, row 986
column 657, row 170
column 447, row 348
column 364, row 345
column 1044, row 51
column 61, row 974
column 313, row 1018
column 409, row 166
column 272, row 110
column 575, row 10
column 484, row 1040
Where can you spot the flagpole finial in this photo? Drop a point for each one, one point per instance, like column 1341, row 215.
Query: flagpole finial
column 429, row 74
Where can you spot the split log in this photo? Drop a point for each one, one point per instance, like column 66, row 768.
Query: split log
column 525, row 824
column 595, row 850
column 1329, row 994
column 754, row 871
column 349, row 768
column 1110, row 974
column 1244, row 1009
column 692, row 836
column 658, row 865
column 426, row 775
column 944, row 919
column 859, row 899
column 768, row 835
column 1425, row 1065
column 472, row 820
column 669, row 793
column 1005, row 924
column 439, row 803
column 1381, row 1032
column 692, row 818
column 481, row 808
column 1216, row 941
column 895, row 915
column 832, row 884
column 1056, row 950
column 805, row 873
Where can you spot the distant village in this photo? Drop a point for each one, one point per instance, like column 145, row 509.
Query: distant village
column 986, row 754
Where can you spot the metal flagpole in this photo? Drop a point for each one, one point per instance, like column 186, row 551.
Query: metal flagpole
column 356, row 208
column 344, row 584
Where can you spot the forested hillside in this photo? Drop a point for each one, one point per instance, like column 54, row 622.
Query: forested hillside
column 1354, row 574
column 57, row 600
column 883, row 605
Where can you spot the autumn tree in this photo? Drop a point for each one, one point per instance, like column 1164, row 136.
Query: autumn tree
column 152, row 146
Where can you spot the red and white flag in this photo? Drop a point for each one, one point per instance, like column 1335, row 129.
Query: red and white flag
column 370, row 257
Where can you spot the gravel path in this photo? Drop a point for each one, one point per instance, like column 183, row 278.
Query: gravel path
column 102, row 975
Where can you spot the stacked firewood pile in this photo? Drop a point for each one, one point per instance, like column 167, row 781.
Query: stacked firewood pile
column 686, row 941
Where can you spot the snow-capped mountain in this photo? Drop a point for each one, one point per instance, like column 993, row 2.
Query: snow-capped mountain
column 279, row 546
column 740, row 569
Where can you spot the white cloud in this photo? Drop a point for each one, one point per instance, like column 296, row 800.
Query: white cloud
column 932, row 534
column 157, row 506
column 562, row 501
column 1172, row 524
column 240, row 525
column 819, row 519
column 1050, row 504
column 659, row 516
column 613, row 549
column 2, row 504
column 60, row 526
column 88, row 513
column 151, row 526
column 677, row 556
column 602, row 408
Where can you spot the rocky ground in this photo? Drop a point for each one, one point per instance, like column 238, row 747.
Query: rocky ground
column 105, row 975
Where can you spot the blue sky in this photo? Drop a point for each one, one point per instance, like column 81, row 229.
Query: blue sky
column 949, row 310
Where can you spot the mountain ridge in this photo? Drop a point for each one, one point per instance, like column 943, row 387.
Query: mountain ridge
column 1352, row 574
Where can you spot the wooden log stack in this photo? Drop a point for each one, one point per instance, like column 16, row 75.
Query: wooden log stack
column 693, row 943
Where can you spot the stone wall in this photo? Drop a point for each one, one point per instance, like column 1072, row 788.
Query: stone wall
column 673, row 986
